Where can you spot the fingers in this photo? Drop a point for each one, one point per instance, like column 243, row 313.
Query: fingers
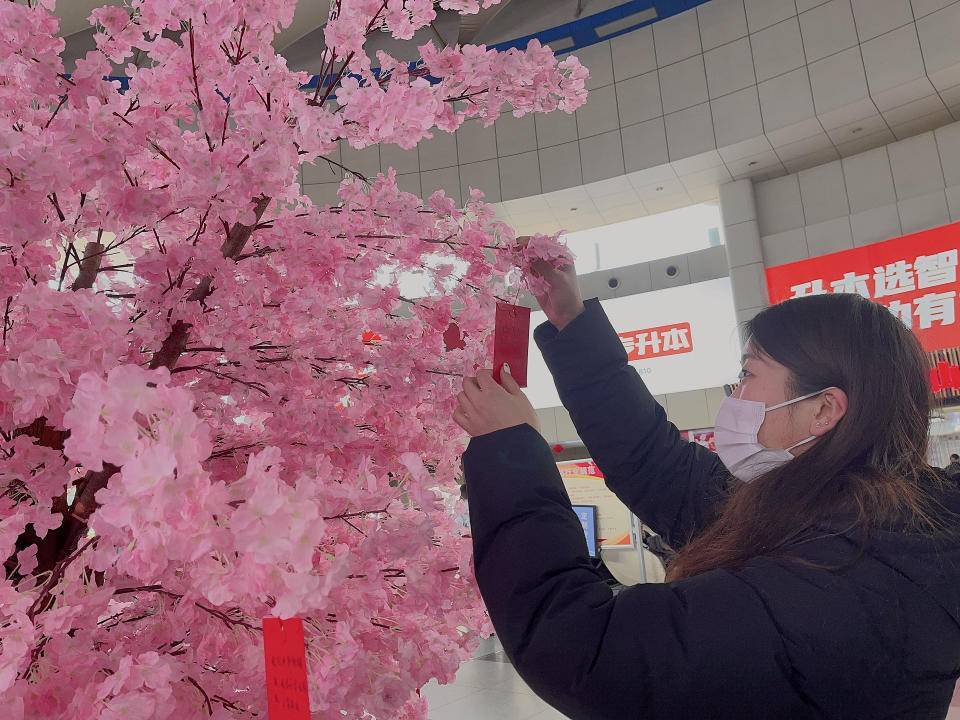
column 465, row 404
column 508, row 382
column 460, row 418
column 485, row 380
column 471, row 388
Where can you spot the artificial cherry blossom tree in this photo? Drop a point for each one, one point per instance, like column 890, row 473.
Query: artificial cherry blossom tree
column 215, row 403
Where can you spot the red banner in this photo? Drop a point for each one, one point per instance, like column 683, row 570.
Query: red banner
column 914, row 276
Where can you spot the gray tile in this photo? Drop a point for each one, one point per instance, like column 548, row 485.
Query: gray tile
column 483, row 176
column 743, row 244
column 633, row 53
column 708, row 264
column 516, row 135
column 555, row 128
column 779, row 205
column 476, row 142
column 785, row 247
column 403, row 161
column 599, row 60
column 602, row 157
column 438, row 152
column 599, row 115
column 560, row 167
column 690, row 132
column 645, row 145
column 729, row 68
column 446, row 179
column 875, row 225
column 736, row 117
column 916, row 166
column 829, row 237
column 520, row 176
column 924, row 212
column 824, row 193
column 868, row 180
column 638, row 99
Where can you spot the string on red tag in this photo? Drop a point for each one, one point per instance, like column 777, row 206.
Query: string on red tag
column 285, row 659
column 511, row 341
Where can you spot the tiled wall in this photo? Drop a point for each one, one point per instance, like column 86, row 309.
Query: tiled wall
column 731, row 89
column 904, row 187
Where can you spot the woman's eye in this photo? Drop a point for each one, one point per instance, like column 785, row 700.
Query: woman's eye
column 744, row 374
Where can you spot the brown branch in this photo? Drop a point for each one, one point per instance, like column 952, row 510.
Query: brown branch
column 63, row 101
column 52, row 197
column 58, row 572
column 206, row 698
column 89, row 266
column 6, row 319
column 175, row 344
column 193, row 63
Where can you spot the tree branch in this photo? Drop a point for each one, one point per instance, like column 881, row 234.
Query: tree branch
column 89, row 266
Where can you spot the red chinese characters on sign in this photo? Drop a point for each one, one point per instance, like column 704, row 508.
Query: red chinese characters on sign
column 657, row 342
column 914, row 276
column 286, row 665
column 581, row 468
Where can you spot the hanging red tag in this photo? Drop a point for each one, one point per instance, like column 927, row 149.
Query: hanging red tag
column 511, row 341
column 286, row 664
column 453, row 338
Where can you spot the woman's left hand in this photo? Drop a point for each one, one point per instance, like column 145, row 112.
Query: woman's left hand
column 486, row 407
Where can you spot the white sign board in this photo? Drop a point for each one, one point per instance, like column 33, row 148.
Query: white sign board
column 678, row 339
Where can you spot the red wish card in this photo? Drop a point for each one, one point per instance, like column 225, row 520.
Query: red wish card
column 286, row 663
column 511, row 341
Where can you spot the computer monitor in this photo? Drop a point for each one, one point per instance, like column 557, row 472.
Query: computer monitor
column 587, row 514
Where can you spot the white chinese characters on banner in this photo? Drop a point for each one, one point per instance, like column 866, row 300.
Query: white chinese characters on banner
column 676, row 339
column 937, row 270
column 897, row 278
column 852, row 283
column 893, row 279
column 937, row 308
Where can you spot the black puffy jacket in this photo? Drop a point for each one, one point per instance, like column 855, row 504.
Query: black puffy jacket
column 776, row 639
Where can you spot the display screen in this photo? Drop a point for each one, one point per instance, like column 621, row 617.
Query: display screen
column 587, row 514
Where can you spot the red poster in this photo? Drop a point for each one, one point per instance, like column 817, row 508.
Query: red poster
column 286, row 664
column 914, row 276
column 511, row 341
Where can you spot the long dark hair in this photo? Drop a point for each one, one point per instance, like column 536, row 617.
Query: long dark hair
column 869, row 472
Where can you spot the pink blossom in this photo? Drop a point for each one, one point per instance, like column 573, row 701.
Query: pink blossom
column 230, row 445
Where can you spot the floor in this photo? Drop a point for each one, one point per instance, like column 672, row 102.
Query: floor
column 488, row 688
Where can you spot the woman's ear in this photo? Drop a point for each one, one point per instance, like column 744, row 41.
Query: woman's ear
column 832, row 406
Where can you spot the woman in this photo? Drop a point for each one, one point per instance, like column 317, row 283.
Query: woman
column 818, row 577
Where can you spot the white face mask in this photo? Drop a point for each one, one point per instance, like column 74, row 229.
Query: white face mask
column 736, row 430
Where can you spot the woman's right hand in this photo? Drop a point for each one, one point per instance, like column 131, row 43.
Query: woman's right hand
column 561, row 302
